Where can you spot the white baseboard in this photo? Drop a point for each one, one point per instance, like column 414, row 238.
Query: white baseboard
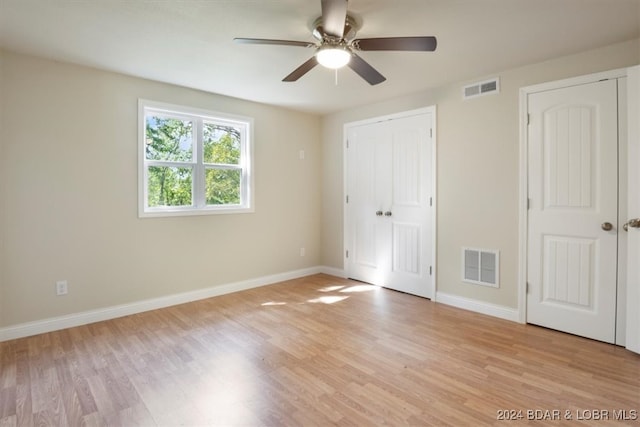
column 500, row 311
column 494, row 310
column 86, row 317
column 92, row 316
column 338, row 272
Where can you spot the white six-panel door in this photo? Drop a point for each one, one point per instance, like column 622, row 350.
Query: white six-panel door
column 573, row 196
column 389, row 214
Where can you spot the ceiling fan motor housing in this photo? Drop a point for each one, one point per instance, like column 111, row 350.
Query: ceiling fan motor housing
column 350, row 29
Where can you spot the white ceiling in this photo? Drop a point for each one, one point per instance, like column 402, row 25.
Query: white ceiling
column 190, row 42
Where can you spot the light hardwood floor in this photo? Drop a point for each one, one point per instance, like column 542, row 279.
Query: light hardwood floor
column 314, row 351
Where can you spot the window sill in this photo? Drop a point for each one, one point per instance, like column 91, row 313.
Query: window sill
column 153, row 213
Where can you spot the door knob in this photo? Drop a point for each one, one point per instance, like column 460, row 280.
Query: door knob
column 635, row 223
column 379, row 213
column 607, row 226
column 387, row 213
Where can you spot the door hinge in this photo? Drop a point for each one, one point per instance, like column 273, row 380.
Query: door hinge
column 527, row 291
column 347, row 253
column 347, row 143
column 528, row 119
column 347, row 198
column 430, row 201
column 528, row 203
column 430, row 270
column 431, row 133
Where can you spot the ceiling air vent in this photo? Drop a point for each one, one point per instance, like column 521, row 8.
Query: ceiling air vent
column 481, row 88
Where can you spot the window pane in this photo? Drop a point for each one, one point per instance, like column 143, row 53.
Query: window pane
column 223, row 187
column 168, row 139
column 169, row 186
column 221, row 144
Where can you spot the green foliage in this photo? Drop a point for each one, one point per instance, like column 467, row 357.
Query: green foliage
column 169, row 186
column 222, row 147
column 221, row 144
column 171, row 140
column 222, row 187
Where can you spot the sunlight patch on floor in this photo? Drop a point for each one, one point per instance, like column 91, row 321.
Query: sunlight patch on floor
column 331, row 288
column 327, row 300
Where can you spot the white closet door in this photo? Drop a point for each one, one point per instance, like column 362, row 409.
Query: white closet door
column 389, row 215
column 573, row 194
column 368, row 178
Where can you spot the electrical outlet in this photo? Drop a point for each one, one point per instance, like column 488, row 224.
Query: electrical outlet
column 61, row 287
column 303, row 251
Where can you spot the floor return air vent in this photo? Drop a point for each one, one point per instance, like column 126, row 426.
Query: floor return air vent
column 481, row 266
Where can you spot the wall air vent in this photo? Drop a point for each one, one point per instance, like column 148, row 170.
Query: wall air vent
column 481, row 88
column 481, row 266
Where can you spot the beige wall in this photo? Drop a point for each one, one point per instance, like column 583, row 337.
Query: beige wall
column 68, row 195
column 477, row 161
column 68, row 187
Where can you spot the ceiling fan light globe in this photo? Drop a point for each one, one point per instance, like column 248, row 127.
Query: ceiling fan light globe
column 333, row 57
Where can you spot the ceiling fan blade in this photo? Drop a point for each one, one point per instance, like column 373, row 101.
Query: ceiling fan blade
column 366, row 71
column 301, row 70
column 417, row 44
column 334, row 16
column 271, row 41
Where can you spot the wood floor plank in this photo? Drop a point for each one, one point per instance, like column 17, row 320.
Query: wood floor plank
column 313, row 351
column 7, row 366
column 7, row 402
column 8, row 421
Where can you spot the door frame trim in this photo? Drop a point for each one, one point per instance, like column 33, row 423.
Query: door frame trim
column 523, row 186
column 434, row 161
column 632, row 341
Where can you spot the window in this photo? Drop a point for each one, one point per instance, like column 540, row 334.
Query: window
column 193, row 162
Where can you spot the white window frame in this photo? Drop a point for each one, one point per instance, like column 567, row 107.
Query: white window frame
column 197, row 116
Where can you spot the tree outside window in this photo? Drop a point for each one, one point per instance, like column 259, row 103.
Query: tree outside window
column 193, row 163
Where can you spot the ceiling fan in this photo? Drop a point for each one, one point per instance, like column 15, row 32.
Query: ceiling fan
column 336, row 47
